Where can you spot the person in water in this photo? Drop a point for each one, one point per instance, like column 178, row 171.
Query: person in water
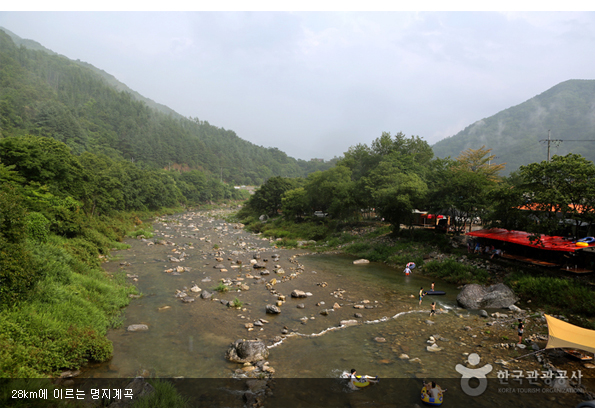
column 432, row 286
column 407, row 270
column 362, row 379
column 433, row 389
column 421, row 294
column 433, row 311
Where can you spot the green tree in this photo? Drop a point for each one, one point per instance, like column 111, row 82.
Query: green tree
column 462, row 187
column 267, row 199
column 395, row 193
column 294, row 203
column 331, row 192
column 563, row 188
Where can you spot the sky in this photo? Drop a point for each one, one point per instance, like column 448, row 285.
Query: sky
column 314, row 83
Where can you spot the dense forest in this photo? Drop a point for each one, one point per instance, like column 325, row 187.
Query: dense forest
column 397, row 175
column 516, row 135
column 45, row 94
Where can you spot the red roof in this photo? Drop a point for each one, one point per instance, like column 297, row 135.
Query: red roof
column 548, row 242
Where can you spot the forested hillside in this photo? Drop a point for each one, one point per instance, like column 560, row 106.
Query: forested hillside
column 567, row 110
column 45, row 94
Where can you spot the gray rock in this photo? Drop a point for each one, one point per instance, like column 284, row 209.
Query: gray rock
column 474, row 296
column 272, row 309
column 206, row 295
column 358, row 315
column 219, row 266
column 298, row 294
column 188, row 299
column 301, row 306
column 247, row 351
column 137, row 327
column 483, row 313
column 259, row 265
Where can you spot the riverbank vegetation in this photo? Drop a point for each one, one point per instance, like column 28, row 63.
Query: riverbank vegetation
column 379, row 188
column 60, row 215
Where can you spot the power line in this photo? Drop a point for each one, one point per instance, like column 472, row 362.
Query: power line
column 557, row 142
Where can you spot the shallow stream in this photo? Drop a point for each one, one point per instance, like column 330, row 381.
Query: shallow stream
column 189, row 340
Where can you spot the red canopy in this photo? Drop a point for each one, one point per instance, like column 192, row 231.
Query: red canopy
column 546, row 242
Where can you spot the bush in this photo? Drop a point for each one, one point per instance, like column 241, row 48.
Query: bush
column 38, row 227
column 236, row 303
column 165, row 396
column 556, row 293
column 455, row 272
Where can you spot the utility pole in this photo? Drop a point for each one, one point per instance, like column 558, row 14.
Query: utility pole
column 558, row 141
column 549, row 141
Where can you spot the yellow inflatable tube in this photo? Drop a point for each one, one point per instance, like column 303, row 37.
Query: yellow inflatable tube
column 361, row 381
column 427, row 399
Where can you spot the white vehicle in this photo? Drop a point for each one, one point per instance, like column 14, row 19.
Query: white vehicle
column 320, row 214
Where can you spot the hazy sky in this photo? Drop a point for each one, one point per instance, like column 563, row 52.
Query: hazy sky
column 315, row 83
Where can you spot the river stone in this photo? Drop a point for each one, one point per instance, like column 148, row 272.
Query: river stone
column 219, row 266
column 272, row 309
column 195, row 289
column 205, row 295
column 137, row 327
column 361, row 262
column 433, row 348
column 474, row 296
column 247, row 351
column 483, row 313
column 188, row 299
column 349, row 322
column 259, row 265
column 301, row 306
column 298, row 294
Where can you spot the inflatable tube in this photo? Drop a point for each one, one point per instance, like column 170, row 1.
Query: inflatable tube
column 435, row 292
column 411, row 265
column 588, row 240
column 426, row 399
column 582, row 244
column 362, row 382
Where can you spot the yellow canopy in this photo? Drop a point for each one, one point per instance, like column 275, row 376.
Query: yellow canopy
column 566, row 335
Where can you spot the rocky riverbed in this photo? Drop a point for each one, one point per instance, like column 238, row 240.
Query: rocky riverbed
column 275, row 296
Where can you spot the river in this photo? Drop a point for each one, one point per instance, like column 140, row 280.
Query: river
column 188, row 340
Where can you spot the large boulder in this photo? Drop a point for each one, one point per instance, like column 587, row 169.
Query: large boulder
column 247, row 351
column 474, row 296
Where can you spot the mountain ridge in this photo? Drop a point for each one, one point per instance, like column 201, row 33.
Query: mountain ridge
column 516, row 135
column 48, row 94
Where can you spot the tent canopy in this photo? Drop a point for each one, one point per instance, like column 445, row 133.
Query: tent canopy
column 550, row 243
column 566, row 335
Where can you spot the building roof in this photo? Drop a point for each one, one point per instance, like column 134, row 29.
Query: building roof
column 547, row 242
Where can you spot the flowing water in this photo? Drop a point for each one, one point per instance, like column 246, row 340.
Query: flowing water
column 190, row 339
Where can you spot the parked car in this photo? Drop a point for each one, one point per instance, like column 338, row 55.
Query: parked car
column 320, row 214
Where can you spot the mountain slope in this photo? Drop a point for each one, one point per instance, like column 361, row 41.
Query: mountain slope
column 567, row 110
column 43, row 93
